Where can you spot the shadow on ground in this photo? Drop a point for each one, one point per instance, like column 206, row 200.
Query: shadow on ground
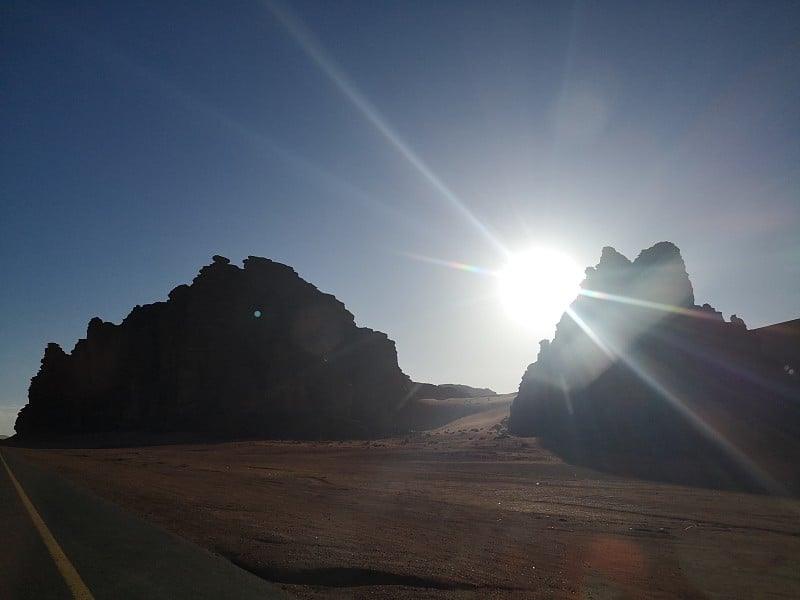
column 344, row 577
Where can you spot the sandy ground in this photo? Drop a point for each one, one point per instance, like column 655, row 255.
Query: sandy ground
column 460, row 511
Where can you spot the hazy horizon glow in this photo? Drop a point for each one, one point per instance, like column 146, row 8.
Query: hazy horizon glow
column 392, row 154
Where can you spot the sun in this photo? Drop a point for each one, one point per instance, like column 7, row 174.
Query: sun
column 537, row 286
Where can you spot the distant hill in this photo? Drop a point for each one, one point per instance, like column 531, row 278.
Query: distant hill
column 252, row 351
column 448, row 390
column 428, row 405
column 639, row 379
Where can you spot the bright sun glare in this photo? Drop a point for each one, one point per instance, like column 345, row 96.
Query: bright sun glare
column 538, row 285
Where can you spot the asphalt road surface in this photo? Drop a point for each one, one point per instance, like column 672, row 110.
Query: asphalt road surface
column 84, row 547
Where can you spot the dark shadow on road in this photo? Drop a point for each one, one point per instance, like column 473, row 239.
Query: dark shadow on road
column 342, row 577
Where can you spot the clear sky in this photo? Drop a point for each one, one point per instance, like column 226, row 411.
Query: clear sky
column 349, row 139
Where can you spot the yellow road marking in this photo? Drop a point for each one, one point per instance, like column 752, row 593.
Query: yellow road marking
column 68, row 572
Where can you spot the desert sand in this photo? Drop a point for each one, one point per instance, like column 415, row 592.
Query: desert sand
column 459, row 510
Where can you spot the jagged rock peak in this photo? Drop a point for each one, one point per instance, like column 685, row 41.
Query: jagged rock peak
column 666, row 272
column 660, row 252
column 658, row 274
column 53, row 352
column 258, row 264
column 610, row 258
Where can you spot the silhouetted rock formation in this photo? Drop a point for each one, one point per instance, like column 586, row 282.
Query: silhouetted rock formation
column 256, row 351
column 641, row 380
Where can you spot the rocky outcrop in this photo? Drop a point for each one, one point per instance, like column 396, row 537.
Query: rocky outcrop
column 252, row 351
column 641, row 379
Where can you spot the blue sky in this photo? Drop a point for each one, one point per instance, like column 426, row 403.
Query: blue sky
column 139, row 139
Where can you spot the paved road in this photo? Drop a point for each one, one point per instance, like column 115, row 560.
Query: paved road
column 107, row 552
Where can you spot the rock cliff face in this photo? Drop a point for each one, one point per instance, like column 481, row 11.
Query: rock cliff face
column 239, row 352
column 639, row 378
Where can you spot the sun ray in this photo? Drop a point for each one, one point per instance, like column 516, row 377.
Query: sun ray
column 702, row 426
column 213, row 116
column 739, row 370
column 670, row 308
column 708, row 431
column 314, row 51
column 451, row 264
column 604, row 348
